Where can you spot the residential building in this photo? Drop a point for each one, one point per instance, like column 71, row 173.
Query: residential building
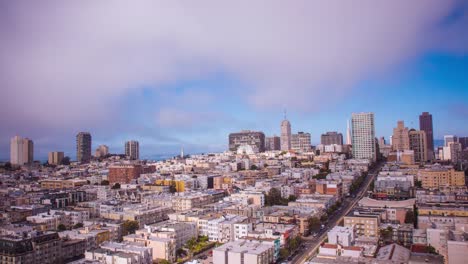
column 285, row 135
column 101, row 151
column 55, row 157
column 331, row 138
column 124, row 173
column 400, row 139
column 253, row 139
column 132, row 149
column 243, row 251
column 272, row 143
column 301, row 142
column 363, row 136
column 340, row 235
column 425, row 124
column 417, row 143
column 437, row 176
column 83, row 147
column 448, row 139
column 364, row 224
column 21, row 151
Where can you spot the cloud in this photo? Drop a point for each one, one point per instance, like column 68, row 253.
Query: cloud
column 69, row 63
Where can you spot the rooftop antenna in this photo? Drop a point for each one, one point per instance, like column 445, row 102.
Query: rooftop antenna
column 285, row 114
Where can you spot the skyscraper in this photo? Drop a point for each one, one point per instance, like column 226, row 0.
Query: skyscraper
column 331, row 138
column 301, row 142
column 363, row 136
column 348, row 134
column 83, row 147
column 285, row 134
column 400, row 139
column 449, row 138
column 417, row 142
column 56, row 157
column 21, row 151
column 425, row 124
column 132, row 150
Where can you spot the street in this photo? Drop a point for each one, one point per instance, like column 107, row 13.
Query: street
column 348, row 204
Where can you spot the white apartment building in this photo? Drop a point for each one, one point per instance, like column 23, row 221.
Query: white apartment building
column 363, row 136
column 241, row 251
column 343, row 236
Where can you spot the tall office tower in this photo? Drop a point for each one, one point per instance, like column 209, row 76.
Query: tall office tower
column 272, row 143
column 363, row 136
column 301, row 142
column 331, row 138
column 417, row 142
column 83, row 147
column 464, row 142
column 55, row 157
column 382, row 141
column 21, row 151
column 348, row 134
column 425, row 124
column 448, row 139
column 400, row 140
column 285, row 135
column 254, row 139
column 132, row 150
column 101, row 151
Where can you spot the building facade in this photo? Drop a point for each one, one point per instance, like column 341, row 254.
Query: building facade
column 21, row 151
column 272, row 143
column 254, row 139
column 101, row 151
column 124, row 173
column 55, row 157
column 418, row 143
column 400, row 138
column 132, row 150
column 425, row 124
column 83, row 147
column 363, row 136
column 301, row 142
column 285, row 135
column 331, row 138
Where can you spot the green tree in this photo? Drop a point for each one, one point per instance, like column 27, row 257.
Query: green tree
column 191, row 244
column 253, row 167
column 61, row 227
column 116, row 186
column 274, row 197
column 172, row 187
column 129, row 227
column 163, row 261
column 314, row 224
column 78, row 225
column 409, row 217
column 418, row 184
column 292, row 198
column 284, row 253
column 180, row 252
column 104, row 182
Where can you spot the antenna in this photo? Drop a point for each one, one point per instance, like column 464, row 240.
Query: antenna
column 285, row 114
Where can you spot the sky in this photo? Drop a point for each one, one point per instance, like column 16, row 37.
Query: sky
column 187, row 73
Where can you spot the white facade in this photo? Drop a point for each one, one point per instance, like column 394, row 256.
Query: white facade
column 340, row 235
column 285, row 135
column 132, row 149
column 21, row 150
column 363, row 136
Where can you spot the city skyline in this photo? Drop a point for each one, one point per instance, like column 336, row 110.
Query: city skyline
column 193, row 87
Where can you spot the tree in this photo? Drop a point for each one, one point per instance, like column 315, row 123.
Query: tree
column 314, row 224
column 61, row 227
column 253, row 167
column 273, row 197
column 284, row 253
column 409, row 217
column 180, row 252
column 172, row 187
column 191, row 243
column 163, row 261
column 418, row 184
column 292, row 198
column 78, row 225
column 116, row 186
column 129, row 227
column 65, row 161
column 104, row 182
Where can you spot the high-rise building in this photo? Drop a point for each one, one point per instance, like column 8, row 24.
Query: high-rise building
column 254, row 139
column 448, row 139
column 285, row 135
column 463, row 141
column 301, row 142
column 83, row 147
column 400, row 140
column 272, row 143
column 417, row 143
column 425, row 124
column 21, row 151
column 331, row 138
column 348, row 134
column 101, row 151
column 363, row 136
column 55, row 157
column 132, row 150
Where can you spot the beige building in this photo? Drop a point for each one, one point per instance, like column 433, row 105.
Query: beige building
column 62, row 184
column 162, row 248
column 55, row 157
column 101, row 151
column 400, row 139
column 21, row 151
column 418, row 143
column 438, row 176
column 242, row 251
column 363, row 225
column 301, row 142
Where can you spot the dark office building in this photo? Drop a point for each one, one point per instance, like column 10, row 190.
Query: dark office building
column 272, row 143
column 425, row 124
column 331, row 138
column 83, row 147
column 254, row 139
column 463, row 141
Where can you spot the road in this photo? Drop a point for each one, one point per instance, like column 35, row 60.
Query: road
column 312, row 244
